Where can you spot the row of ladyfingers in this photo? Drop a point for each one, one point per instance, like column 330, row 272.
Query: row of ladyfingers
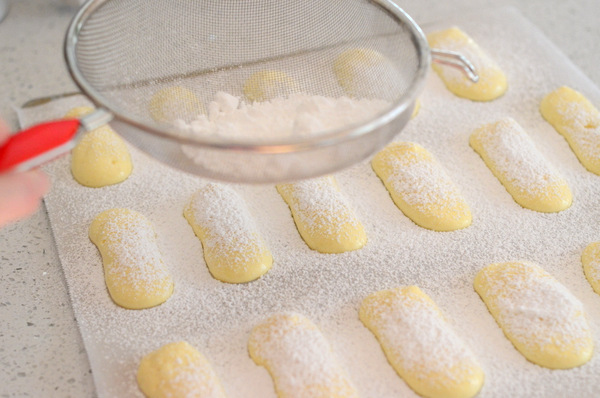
column 541, row 318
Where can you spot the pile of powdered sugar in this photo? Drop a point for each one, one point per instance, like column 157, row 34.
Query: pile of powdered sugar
column 217, row 318
column 296, row 115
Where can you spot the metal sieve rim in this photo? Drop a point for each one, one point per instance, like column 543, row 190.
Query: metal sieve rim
column 287, row 145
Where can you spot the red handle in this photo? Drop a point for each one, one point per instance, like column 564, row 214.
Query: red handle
column 38, row 144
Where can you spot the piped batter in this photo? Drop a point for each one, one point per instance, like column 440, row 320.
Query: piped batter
column 175, row 103
column 513, row 158
column 323, row 215
column 421, row 188
column 420, row 345
column 134, row 271
column 492, row 81
column 590, row 259
column 101, row 157
column 367, row 73
column 299, row 359
column 234, row 249
column 543, row 320
column 576, row 118
column 178, row 370
column 266, row 85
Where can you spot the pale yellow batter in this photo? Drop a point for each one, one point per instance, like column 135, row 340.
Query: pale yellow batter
column 173, row 103
column 299, row 359
column 576, row 118
column 178, row 370
column 367, row 73
column 101, row 157
column 416, row 109
column 513, row 158
column 234, row 249
column 492, row 80
column 323, row 216
column 421, row 188
column 265, row 85
column 543, row 320
column 590, row 259
column 135, row 274
column 420, row 345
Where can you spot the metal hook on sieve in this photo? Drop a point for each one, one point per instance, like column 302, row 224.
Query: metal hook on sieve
column 455, row 60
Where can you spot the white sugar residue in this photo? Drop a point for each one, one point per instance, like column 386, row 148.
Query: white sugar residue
column 583, row 127
column 423, row 183
column 298, row 115
column 420, row 337
column 321, row 206
column 196, row 374
column 132, row 243
column 537, row 309
column 516, row 158
column 297, row 355
column 223, row 214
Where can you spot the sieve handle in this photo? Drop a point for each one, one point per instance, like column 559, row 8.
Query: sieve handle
column 37, row 145
column 456, row 60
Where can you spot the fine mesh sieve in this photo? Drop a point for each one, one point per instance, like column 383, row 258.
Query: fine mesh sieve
column 122, row 52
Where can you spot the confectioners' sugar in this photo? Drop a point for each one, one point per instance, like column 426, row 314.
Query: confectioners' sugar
column 323, row 215
column 321, row 205
column 578, row 120
column 133, row 246
column 535, row 309
column 135, row 273
column 178, row 370
column 233, row 247
column 217, row 318
column 419, row 334
column 515, row 157
column 222, row 212
column 544, row 321
column 420, row 345
column 428, row 184
column 299, row 358
column 282, row 117
column 583, row 127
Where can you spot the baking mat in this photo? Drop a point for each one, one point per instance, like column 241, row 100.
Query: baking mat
column 217, row 318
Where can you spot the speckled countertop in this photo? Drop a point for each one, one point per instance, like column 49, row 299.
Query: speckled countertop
column 41, row 351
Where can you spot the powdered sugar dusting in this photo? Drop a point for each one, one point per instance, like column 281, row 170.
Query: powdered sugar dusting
column 515, row 158
column 217, row 318
column 130, row 242
column 299, row 358
column 415, row 332
column 423, row 183
column 224, row 216
column 536, row 309
column 582, row 127
column 321, row 207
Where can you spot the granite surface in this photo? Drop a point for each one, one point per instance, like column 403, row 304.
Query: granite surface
column 41, row 351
